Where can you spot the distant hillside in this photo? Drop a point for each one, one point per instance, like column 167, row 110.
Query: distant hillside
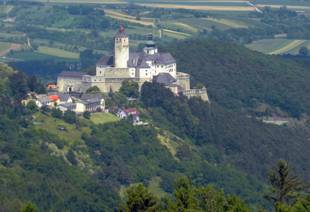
column 237, row 77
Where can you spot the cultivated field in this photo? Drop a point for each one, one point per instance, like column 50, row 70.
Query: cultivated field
column 278, row 46
column 292, row 7
column 58, row 52
column 124, row 17
column 200, row 7
column 5, row 48
column 229, row 23
column 175, row 34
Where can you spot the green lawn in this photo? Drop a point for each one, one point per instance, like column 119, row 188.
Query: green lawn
column 103, row 118
column 58, row 52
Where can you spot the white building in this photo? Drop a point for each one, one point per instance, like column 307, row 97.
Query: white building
column 112, row 70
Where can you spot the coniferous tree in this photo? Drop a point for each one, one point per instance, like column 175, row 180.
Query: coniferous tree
column 285, row 186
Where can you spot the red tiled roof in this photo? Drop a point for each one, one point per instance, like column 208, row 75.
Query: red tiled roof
column 132, row 111
column 54, row 98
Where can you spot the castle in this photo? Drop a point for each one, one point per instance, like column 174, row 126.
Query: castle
column 145, row 66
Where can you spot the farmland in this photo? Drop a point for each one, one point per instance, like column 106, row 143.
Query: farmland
column 201, row 7
column 58, row 52
column 59, row 30
column 128, row 18
column 278, row 46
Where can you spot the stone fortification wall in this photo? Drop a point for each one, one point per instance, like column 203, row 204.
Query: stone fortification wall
column 183, row 80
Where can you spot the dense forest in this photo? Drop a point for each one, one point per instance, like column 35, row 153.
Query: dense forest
column 238, row 78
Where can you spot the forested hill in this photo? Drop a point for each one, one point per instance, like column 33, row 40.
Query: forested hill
column 89, row 166
column 237, row 77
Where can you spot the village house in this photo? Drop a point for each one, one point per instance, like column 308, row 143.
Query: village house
column 66, row 101
column 133, row 113
column 83, row 103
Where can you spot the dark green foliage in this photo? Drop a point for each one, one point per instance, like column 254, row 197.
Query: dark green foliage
column 226, row 136
column 35, row 85
column 285, row 186
column 56, row 113
column 186, row 197
column 130, row 89
column 71, row 157
column 93, row 89
column 237, row 77
column 139, row 199
column 32, row 106
column 29, row 207
column 18, row 85
column 87, row 115
column 69, row 117
column 303, row 51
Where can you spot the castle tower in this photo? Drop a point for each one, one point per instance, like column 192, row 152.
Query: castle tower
column 121, row 49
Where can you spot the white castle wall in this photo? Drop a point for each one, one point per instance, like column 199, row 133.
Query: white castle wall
column 121, row 52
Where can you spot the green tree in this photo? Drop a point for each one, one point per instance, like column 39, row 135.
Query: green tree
column 29, row 207
column 87, row 115
column 71, row 157
column 18, row 85
column 35, row 85
column 70, row 117
column 303, row 51
column 93, row 89
column 32, row 106
column 184, row 195
column 56, row 113
column 285, row 186
column 138, row 198
column 130, row 89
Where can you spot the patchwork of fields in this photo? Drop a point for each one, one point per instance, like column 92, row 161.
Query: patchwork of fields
column 221, row 15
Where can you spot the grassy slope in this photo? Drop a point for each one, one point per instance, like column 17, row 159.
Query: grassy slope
column 103, row 118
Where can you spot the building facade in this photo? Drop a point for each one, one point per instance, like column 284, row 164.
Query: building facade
column 112, row 70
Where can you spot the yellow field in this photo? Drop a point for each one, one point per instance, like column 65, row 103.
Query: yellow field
column 288, row 47
column 124, row 17
column 58, row 52
column 191, row 7
column 230, row 23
